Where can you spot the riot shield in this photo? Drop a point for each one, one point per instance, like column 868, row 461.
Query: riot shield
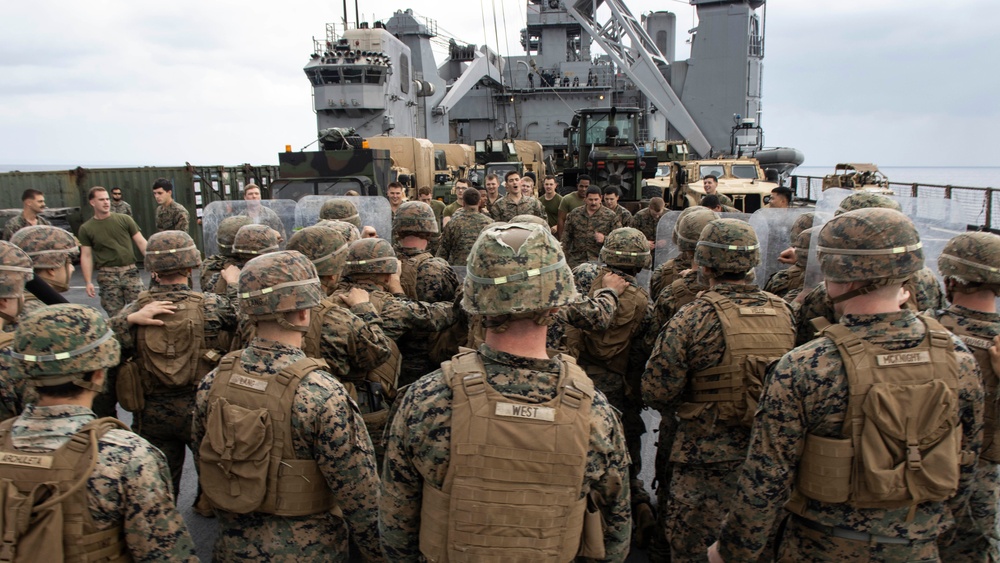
column 666, row 247
column 373, row 210
column 279, row 214
column 772, row 227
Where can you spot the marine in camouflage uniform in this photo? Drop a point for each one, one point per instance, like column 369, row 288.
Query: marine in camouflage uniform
column 664, row 274
column 340, row 209
column 171, row 217
column 106, row 253
column 52, row 251
column 970, row 265
column 709, row 444
column 224, row 238
column 646, row 219
column 585, row 229
column 505, row 208
column 807, row 394
column 607, row 356
column 325, row 427
column 63, row 350
column 18, row 222
column 345, row 330
column 925, row 291
column 15, row 271
column 462, row 230
column 420, row 449
column 121, row 206
column 424, row 278
column 166, row 418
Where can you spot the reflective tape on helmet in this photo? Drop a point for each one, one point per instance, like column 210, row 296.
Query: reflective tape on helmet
column 59, row 356
column 515, row 277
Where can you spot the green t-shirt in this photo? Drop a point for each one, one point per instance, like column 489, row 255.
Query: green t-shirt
column 110, row 240
column 551, row 207
column 571, row 202
column 451, row 207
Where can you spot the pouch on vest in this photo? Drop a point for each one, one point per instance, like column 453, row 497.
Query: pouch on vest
column 172, row 352
column 235, row 456
column 904, row 434
column 594, row 526
column 980, row 345
column 128, row 387
column 247, row 462
column 43, row 502
column 755, row 337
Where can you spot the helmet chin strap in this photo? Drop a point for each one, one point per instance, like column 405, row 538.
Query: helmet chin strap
column 868, row 288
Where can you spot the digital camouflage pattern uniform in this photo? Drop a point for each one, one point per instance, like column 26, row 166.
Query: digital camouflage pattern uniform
column 436, row 282
column 645, row 222
column 459, row 235
column 685, row 235
column 171, row 217
column 925, row 293
column 166, row 419
column 129, row 486
column 578, row 240
column 707, row 448
column 15, row 271
column 419, row 448
column 505, row 209
column 122, row 207
column 49, row 248
column 624, row 215
column 18, row 222
column 787, row 283
column 970, row 262
column 224, row 238
column 118, row 283
column 325, row 427
column 807, row 393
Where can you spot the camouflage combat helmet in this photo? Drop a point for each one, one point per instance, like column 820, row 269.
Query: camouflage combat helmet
column 15, row 270
column 48, row 247
column 255, row 239
column 684, row 213
column 729, row 246
column 414, row 217
column 803, row 222
column 801, row 245
column 60, row 343
column 626, row 248
column 324, row 246
column 371, row 256
column 277, row 283
column 346, row 230
column 869, row 245
column 972, row 258
column 171, row 251
column 226, row 234
column 340, row 209
column 866, row 200
column 529, row 219
column 688, row 228
column 584, row 275
column 516, row 268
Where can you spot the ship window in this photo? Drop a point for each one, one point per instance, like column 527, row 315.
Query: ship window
column 353, row 75
column 329, row 76
column 747, row 171
column 714, row 169
column 375, row 75
column 404, row 73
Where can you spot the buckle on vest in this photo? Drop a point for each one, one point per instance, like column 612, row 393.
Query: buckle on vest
column 572, row 397
column 473, row 384
column 914, row 461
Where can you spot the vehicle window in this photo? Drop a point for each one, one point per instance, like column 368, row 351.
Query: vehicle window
column 596, row 125
column 714, row 169
column 662, row 171
column 746, row 171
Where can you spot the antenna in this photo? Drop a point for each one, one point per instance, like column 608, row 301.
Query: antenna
column 345, row 15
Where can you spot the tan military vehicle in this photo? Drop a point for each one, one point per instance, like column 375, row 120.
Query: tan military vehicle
column 858, row 176
column 742, row 179
column 412, row 161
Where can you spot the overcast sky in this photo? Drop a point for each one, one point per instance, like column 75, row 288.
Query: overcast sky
column 897, row 82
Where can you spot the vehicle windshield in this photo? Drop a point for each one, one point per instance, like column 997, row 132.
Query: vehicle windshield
column 746, row 171
column 597, row 126
column 296, row 189
column 716, row 170
column 662, row 170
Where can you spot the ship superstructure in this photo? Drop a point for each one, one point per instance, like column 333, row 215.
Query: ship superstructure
column 577, row 54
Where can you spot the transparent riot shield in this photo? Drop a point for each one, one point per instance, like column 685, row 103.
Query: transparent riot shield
column 666, row 246
column 374, row 212
column 825, row 208
column 460, row 272
column 773, row 227
column 279, row 214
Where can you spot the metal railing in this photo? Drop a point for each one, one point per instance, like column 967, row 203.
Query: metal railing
column 979, row 207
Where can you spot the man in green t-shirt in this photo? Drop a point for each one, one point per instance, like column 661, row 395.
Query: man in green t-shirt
column 106, row 246
column 572, row 201
column 550, row 202
column 460, row 186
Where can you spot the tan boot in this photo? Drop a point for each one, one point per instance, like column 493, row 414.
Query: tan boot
column 203, row 507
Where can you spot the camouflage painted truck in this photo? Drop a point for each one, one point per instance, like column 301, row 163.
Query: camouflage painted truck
column 858, row 176
column 344, row 163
